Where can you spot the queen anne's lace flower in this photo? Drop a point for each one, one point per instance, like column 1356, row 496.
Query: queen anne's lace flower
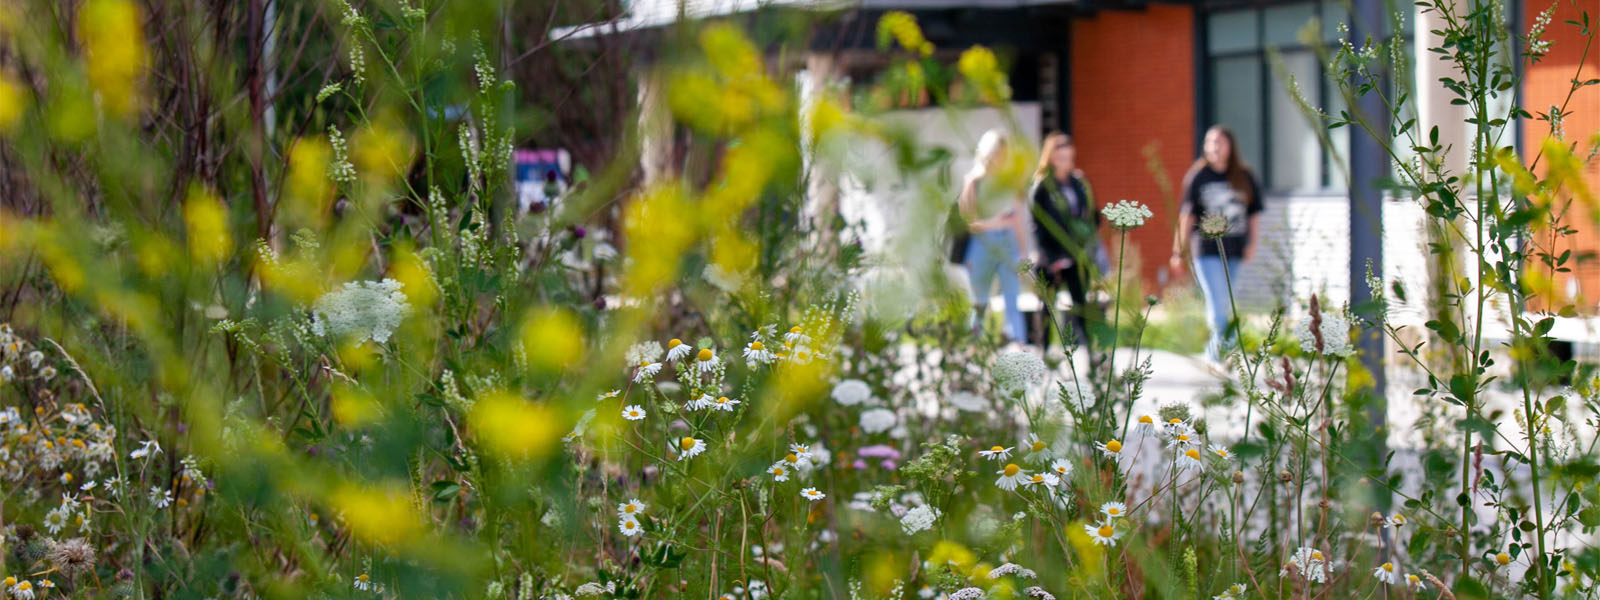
column 1335, row 330
column 851, row 392
column 1012, row 569
column 1125, row 214
column 1015, row 371
column 362, row 310
column 878, row 420
column 918, row 519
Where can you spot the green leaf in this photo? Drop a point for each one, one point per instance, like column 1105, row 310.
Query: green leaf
column 445, row 491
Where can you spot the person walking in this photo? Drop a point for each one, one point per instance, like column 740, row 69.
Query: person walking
column 1066, row 226
column 1221, row 191
column 995, row 219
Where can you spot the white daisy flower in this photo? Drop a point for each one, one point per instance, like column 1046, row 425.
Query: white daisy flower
column 812, row 494
column 1062, row 468
column 160, row 497
column 146, row 448
column 23, row 590
column 796, row 336
column 1414, row 583
column 1189, row 459
column 363, row 582
column 1385, row 573
column 631, row 507
column 633, row 412
column 1103, row 534
column 690, row 447
column 1145, row 422
column 646, row 371
column 608, row 395
column 1182, row 440
column 706, row 360
column 1048, row 479
column 757, row 352
column 1111, row 449
column 724, row 404
column 1311, row 564
column 55, row 520
column 703, row 402
column 1114, row 510
column 1396, row 521
column 1175, row 426
column 1038, row 450
column 801, row 451
column 629, row 525
column 780, row 471
column 1010, row 477
column 996, row 453
column 1220, row 451
column 676, row 349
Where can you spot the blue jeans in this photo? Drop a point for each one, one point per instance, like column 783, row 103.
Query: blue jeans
column 1219, row 309
column 994, row 253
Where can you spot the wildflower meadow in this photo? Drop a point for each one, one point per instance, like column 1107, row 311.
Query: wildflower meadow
column 288, row 333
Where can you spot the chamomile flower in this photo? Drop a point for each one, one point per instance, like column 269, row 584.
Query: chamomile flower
column 795, row 461
column 996, row 453
column 1175, row 426
column 631, row 507
column 1062, row 468
column 1234, row 592
column 363, row 582
column 724, row 404
column 613, row 394
column 629, row 525
column 1221, row 452
column 1311, row 564
column 160, row 497
column 1114, row 510
column 1110, row 449
column 56, row 520
column 1182, row 439
column 1414, row 583
column 676, row 349
column 1385, row 573
column 1189, row 459
column 812, row 494
column 706, row 360
column 690, row 447
column 1010, row 476
column 646, row 371
column 633, row 412
column 757, row 352
column 1146, row 422
column 23, row 590
column 146, row 449
column 780, row 471
column 1038, row 450
column 1048, row 479
column 1103, row 534
column 801, row 451
column 703, row 402
column 796, row 336
column 1396, row 521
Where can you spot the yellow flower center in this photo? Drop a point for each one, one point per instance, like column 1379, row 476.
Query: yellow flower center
column 627, row 524
column 686, row 443
column 1106, row 531
column 1316, row 555
column 1183, row 437
column 1175, row 421
column 1146, row 420
column 1037, row 446
column 777, row 470
column 674, row 343
column 1503, row 558
column 722, row 400
column 633, row 413
column 705, row 354
column 1192, row 453
column 1011, row 470
column 629, row 508
column 996, row 449
column 795, row 329
column 644, row 364
column 791, row 458
column 1113, row 511
column 1388, row 566
column 1061, row 470
column 1038, row 478
column 1114, row 446
column 363, row 577
column 757, row 346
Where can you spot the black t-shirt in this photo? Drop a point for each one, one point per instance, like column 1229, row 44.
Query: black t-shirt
column 1209, row 192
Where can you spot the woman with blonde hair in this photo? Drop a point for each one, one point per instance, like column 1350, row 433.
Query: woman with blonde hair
column 1066, row 222
column 995, row 217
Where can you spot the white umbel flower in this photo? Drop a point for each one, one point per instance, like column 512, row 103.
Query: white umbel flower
column 361, row 310
column 1010, row 477
column 644, row 352
column 633, row 412
column 1016, row 371
column 878, row 420
column 1126, row 215
column 918, row 519
column 1335, row 330
column 1012, row 569
column 851, row 392
column 812, row 494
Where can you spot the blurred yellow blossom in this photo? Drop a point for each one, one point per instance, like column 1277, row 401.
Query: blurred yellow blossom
column 552, row 339
column 377, row 516
column 979, row 65
column 13, row 102
column 112, row 33
column 513, row 427
column 205, row 221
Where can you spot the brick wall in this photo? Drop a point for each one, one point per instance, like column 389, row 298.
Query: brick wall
column 1133, row 86
column 1547, row 83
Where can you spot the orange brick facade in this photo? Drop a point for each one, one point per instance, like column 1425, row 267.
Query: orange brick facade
column 1133, row 87
column 1547, row 83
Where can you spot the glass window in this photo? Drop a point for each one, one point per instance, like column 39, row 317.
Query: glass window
column 1283, row 23
column 1296, row 149
column 1234, row 31
column 1236, row 102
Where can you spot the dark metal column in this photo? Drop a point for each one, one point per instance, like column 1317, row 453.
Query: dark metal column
column 1369, row 164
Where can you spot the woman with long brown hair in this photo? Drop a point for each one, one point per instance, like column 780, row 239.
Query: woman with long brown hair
column 1066, row 220
column 1219, row 188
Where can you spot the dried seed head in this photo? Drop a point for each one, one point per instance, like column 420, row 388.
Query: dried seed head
column 72, row 557
column 1285, row 477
